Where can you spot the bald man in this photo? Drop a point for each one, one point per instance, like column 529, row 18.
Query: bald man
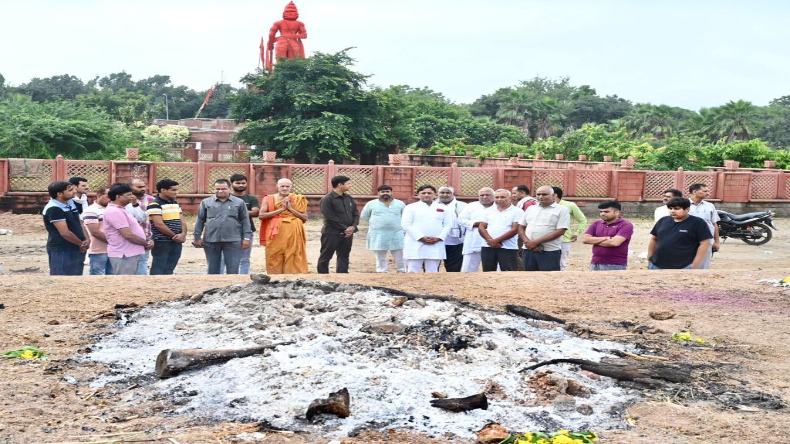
column 541, row 229
column 282, row 230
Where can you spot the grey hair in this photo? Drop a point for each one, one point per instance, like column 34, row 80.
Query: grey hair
column 486, row 189
column 284, row 178
column 505, row 191
column 452, row 190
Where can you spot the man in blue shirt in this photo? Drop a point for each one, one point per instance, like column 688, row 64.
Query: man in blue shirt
column 67, row 239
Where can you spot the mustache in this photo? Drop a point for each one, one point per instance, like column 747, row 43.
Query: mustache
column 239, row 189
column 385, row 197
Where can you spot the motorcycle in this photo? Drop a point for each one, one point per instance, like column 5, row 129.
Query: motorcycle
column 752, row 228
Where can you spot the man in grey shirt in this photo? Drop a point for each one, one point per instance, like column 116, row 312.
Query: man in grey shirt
column 707, row 212
column 227, row 226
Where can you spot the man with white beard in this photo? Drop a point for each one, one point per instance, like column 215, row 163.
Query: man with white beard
column 470, row 218
column 426, row 225
column 454, row 242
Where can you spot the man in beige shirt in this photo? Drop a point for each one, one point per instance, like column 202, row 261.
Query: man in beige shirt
column 541, row 229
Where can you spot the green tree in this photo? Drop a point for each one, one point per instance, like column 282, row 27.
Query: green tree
column 650, row 120
column 594, row 109
column 732, row 121
column 750, row 153
column 117, row 81
column 311, row 109
column 43, row 130
column 56, row 88
column 488, row 105
column 548, row 112
column 774, row 126
column 735, row 120
column 126, row 106
column 514, row 109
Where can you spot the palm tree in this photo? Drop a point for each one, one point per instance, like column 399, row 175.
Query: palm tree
column 513, row 111
column 549, row 114
column 646, row 119
column 734, row 120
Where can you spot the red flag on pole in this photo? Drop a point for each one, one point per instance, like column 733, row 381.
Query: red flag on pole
column 210, row 93
column 263, row 53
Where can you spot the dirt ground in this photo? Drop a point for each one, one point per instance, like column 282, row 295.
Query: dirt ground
column 744, row 323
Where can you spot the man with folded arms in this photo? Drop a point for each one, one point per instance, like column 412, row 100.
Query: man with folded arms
column 609, row 237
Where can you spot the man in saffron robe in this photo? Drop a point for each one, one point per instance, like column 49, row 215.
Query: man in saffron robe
column 282, row 230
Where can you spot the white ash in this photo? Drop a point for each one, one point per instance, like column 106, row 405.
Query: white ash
column 390, row 376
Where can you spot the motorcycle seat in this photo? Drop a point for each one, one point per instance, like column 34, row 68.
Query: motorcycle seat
column 740, row 217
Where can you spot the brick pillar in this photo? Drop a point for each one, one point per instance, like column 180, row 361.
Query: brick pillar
column 781, row 189
column 737, row 187
column 265, row 177
column 200, row 176
column 331, row 171
column 570, row 182
column 4, row 179
column 252, row 184
column 60, row 168
column 630, row 185
column 401, row 180
column 680, row 179
column 455, row 178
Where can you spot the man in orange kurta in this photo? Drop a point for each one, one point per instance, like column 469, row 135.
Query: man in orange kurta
column 282, row 230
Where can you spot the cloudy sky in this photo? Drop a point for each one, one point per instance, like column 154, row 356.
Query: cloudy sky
column 690, row 53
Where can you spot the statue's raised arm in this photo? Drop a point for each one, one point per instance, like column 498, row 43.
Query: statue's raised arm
column 289, row 43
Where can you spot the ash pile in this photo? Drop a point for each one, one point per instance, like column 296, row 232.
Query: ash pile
column 430, row 364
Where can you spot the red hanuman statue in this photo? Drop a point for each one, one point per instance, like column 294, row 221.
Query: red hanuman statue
column 289, row 43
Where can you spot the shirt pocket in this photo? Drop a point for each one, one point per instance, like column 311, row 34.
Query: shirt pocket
column 546, row 219
column 213, row 212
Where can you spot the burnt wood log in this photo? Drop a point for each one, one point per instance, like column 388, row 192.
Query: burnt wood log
column 338, row 403
column 170, row 363
column 626, row 371
column 478, row 401
column 529, row 313
column 412, row 296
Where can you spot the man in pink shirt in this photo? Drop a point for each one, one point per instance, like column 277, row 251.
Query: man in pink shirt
column 126, row 241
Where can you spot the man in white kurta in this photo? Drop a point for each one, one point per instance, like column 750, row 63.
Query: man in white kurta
column 470, row 218
column 454, row 242
column 385, row 232
column 426, row 225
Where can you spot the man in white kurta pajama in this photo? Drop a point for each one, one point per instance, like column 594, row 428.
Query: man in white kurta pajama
column 469, row 218
column 385, row 232
column 454, row 242
column 426, row 225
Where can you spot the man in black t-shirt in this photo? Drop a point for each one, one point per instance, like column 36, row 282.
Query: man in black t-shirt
column 678, row 241
column 67, row 239
column 239, row 188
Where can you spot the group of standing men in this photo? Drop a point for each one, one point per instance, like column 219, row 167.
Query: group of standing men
column 504, row 230
column 118, row 232
column 509, row 230
column 440, row 228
